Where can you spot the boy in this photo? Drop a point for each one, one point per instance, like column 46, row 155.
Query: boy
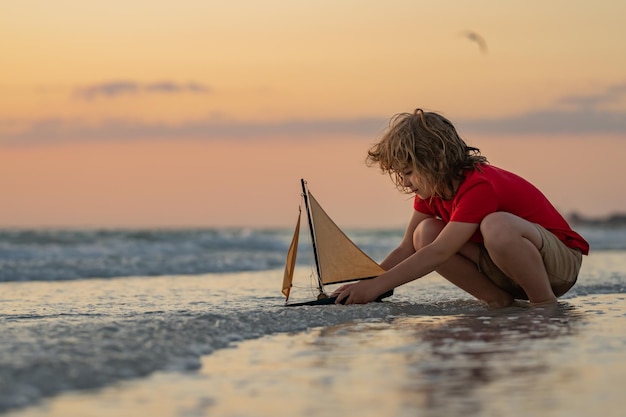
column 486, row 230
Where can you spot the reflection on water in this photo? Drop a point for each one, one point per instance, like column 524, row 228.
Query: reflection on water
column 560, row 361
column 447, row 361
column 469, row 352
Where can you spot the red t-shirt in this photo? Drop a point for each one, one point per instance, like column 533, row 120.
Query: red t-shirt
column 495, row 189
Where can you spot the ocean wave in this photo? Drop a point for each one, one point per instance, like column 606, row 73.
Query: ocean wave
column 54, row 255
column 50, row 255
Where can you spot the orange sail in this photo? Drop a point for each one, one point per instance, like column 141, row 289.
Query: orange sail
column 290, row 265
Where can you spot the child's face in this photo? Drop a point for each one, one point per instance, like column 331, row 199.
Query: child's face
column 416, row 183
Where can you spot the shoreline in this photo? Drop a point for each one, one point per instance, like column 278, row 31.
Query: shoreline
column 476, row 364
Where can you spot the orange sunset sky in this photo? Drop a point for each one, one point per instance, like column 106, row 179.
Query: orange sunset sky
column 207, row 113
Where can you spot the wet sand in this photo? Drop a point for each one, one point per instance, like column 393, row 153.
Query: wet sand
column 569, row 360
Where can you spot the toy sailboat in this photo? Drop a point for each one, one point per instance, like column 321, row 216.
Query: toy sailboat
column 337, row 258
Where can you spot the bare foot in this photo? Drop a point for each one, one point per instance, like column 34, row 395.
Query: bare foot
column 547, row 303
column 504, row 302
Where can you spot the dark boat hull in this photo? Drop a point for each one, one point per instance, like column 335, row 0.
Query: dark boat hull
column 331, row 300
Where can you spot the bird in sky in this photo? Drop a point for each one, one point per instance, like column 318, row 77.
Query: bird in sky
column 475, row 37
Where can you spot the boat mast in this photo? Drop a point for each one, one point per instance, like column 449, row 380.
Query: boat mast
column 305, row 194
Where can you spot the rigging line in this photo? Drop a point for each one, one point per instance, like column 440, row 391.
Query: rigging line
column 312, row 283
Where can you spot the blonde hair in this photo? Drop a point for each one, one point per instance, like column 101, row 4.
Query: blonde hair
column 429, row 144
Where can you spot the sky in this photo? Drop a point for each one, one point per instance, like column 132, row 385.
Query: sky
column 208, row 113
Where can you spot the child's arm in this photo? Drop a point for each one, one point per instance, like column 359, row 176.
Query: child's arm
column 406, row 247
column 451, row 239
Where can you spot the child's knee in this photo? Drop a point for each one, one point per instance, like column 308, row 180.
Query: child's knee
column 426, row 232
column 502, row 229
column 494, row 222
column 496, row 228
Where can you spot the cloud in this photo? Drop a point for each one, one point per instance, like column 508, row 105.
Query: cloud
column 59, row 130
column 546, row 122
column 581, row 115
column 611, row 94
column 113, row 89
column 551, row 122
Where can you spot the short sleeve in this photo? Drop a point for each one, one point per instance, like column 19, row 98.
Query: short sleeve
column 473, row 203
column 423, row 207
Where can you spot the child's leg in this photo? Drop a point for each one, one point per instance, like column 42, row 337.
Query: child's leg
column 513, row 244
column 461, row 269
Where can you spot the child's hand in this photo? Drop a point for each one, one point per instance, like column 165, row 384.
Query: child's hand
column 359, row 293
column 340, row 290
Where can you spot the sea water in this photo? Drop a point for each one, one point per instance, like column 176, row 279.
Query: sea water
column 140, row 319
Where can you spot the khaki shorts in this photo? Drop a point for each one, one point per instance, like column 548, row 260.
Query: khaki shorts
column 562, row 264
